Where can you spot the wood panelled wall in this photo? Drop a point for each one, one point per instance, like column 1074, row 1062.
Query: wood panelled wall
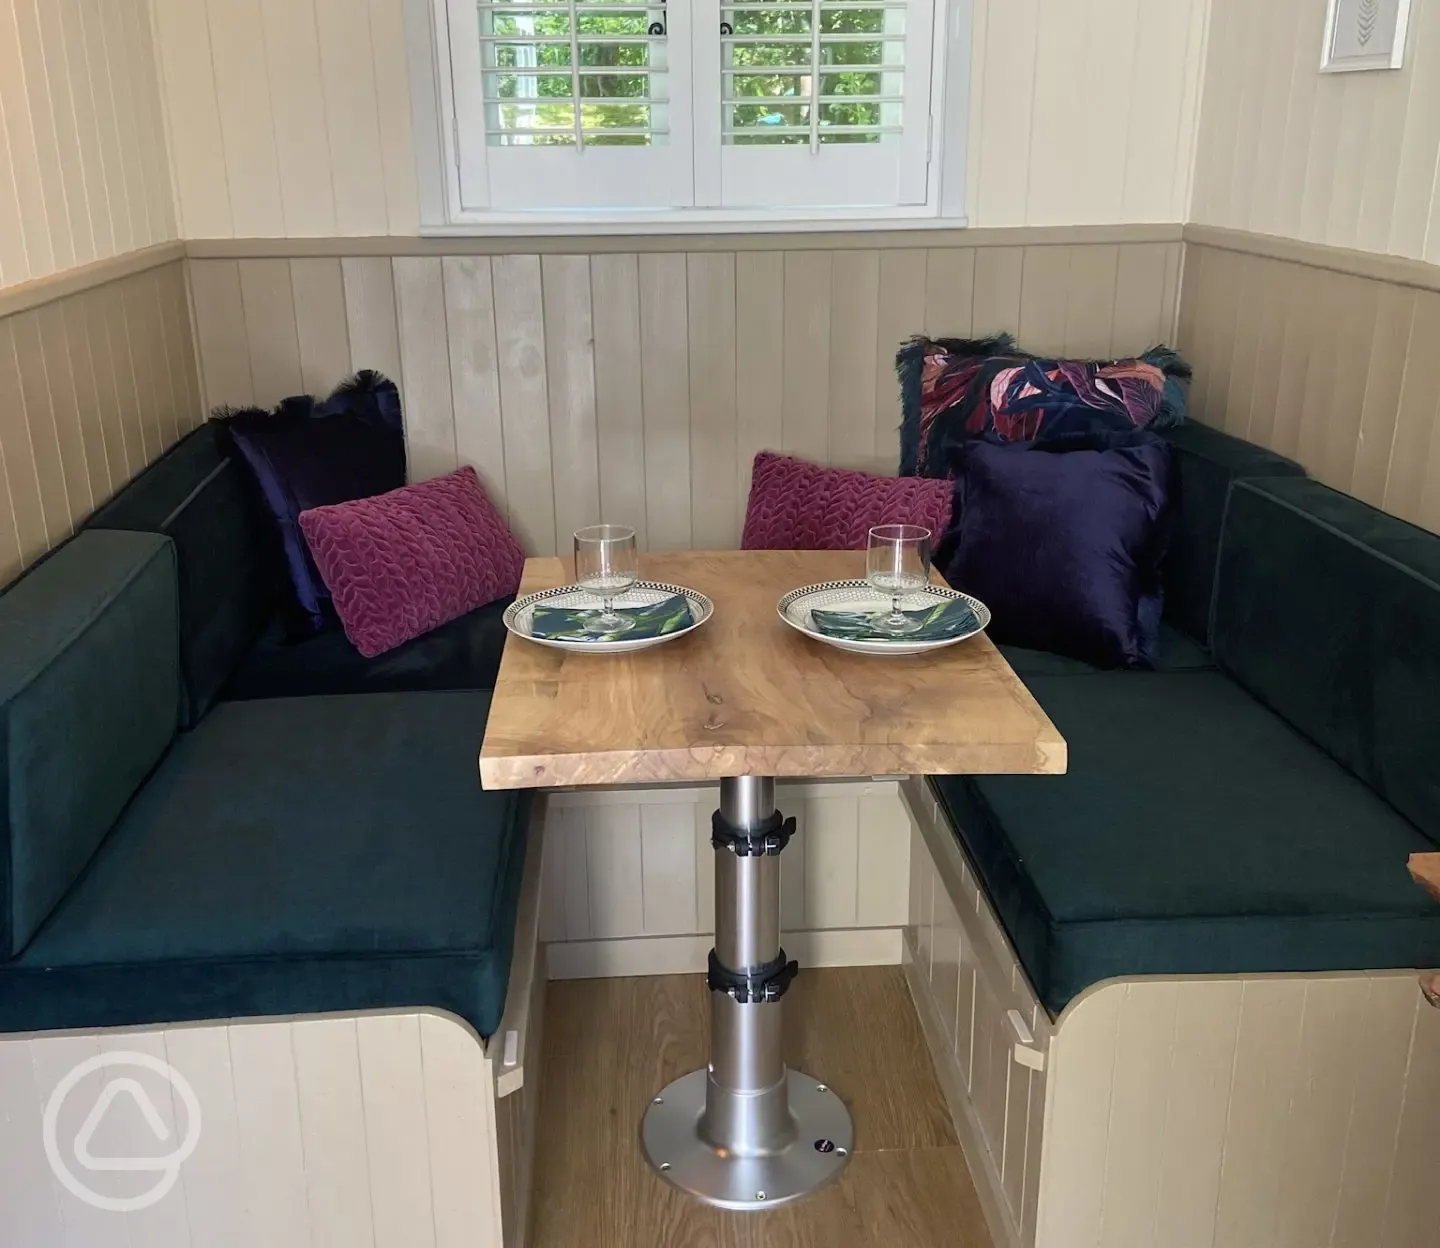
column 1343, row 159
column 1083, row 112
column 637, row 387
column 84, row 173
column 291, row 118
column 622, row 865
column 1337, row 369
column 95, row 385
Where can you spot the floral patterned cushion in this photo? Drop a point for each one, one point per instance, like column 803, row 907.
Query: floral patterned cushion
column 956, row 391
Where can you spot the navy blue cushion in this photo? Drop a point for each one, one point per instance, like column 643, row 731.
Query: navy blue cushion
column 1064, row 547
column 196, row 495
column 1248, row 850
column 463, row 654
column 89, row 698
column 307, row 454
column 1329, row 611
column 293, row 856
column 1206, row 463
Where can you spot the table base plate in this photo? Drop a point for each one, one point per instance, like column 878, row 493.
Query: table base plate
column 823, row 1142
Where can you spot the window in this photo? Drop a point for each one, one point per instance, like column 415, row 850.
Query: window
column 732, row 107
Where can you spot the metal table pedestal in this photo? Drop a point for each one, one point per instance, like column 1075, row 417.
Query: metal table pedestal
column 745, row 1133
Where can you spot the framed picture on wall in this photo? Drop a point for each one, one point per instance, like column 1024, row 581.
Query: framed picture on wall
column 1364, row 34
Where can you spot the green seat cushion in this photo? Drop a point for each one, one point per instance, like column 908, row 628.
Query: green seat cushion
column 89, row 696
column 198, row 497
column 1329, row 611
column 1207, row 462
column 1246, row 851
column 293, row 856
column 1177, row 653
column 463, row 654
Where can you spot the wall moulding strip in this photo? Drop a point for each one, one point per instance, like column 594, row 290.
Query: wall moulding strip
column 839, row 239
column 24, row 296
column 1397, row 270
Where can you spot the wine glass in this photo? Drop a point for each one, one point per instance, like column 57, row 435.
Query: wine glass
column 606, row 563
column 898, row 563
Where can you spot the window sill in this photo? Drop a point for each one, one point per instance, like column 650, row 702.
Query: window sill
column 689, row 221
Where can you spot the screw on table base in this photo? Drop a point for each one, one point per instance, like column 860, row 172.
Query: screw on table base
column 745, row 1133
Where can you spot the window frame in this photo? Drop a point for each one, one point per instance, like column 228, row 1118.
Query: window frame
column 439, row 138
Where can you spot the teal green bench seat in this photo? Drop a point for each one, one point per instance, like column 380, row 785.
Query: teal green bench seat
column 284, row 856
column 1195, row 833
column 1177, row 653
column 1254, row 813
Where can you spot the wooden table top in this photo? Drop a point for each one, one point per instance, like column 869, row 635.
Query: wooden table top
column 1425, row 870
column 747, row 695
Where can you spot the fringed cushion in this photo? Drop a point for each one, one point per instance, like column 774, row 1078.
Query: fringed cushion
column 311, row 454
column 956, row 390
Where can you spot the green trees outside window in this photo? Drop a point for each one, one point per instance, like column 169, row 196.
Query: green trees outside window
column 627, row 108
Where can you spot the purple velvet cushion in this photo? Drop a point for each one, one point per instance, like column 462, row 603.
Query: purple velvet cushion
column 1064, row 547
column 307, row 454
column 411, row 560
column 795, row 505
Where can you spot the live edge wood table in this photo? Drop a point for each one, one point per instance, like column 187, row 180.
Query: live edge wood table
column 744, row 700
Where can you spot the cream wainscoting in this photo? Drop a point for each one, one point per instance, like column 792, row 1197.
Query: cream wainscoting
column 630, row 878
column 84, row 173
column 1323, row 354
column 98, row 374
column 1298, row 1111
column 1343, row 159
column 610, row 378
column 291, row 118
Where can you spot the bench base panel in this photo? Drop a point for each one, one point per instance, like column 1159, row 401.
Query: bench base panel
column 1196, row 1112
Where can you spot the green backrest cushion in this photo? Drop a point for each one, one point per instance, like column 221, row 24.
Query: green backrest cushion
column 1206, row 462
column 197, row 496
column 1329, row 612
column 89, row 691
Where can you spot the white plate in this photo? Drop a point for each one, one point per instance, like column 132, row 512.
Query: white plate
column 520, row 613
column 796, row 606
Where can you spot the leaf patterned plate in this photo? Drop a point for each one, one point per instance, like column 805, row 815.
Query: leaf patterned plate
column 520, row 615
column 859, row 597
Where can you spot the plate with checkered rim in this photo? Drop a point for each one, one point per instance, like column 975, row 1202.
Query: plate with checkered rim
column 795, row 608
column 520, row 613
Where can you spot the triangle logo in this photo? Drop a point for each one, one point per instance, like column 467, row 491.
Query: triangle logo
column 112, row 1090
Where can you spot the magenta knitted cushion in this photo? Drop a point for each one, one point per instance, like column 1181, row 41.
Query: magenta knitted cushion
column 402, row 563
column 795, row 505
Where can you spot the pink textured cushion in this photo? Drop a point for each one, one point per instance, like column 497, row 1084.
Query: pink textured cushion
column 402, row 563
column 799, row 506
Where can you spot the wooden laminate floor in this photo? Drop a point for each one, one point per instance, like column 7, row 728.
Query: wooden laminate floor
column 610, row 1044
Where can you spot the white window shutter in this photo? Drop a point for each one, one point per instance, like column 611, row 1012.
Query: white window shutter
column 822, row 103
column 571, row 104
column 738, row 106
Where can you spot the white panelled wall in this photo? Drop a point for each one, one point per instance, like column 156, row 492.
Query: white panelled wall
column 1349, row 160
column 84, row 173
column 291, row 118
column 629, row 879
column 1083, row 111
column 636, row 388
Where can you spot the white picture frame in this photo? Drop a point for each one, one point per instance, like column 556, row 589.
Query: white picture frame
column 1364, row 35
